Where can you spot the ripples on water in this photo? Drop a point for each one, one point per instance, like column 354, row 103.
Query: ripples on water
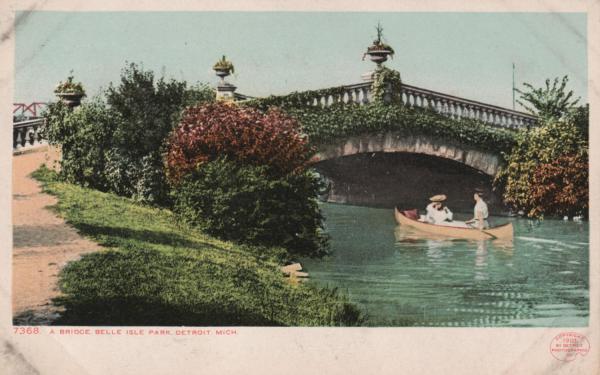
column 401, row 278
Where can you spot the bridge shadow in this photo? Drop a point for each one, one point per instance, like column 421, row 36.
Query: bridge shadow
column 389, row 179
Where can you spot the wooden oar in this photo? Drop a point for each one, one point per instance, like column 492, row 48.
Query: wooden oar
column 488, row 233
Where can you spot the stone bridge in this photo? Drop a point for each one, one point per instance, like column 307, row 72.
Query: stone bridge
column 390, row 168
column 486, row 162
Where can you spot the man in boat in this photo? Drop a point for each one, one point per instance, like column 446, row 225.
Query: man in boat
column 480, row 212
column 436, row 211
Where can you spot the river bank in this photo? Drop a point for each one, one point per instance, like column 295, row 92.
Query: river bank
column 153, row 270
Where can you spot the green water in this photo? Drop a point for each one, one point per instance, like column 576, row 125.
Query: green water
column 400, row 278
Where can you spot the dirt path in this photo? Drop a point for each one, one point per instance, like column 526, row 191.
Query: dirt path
column 42, row 242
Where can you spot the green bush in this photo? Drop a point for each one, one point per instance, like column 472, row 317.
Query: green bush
column 148, row 111
column 116, row 144
column 553, row 140
column 83, row 135
column 247, row 205
column 149, row 108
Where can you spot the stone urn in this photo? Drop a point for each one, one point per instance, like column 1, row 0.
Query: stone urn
column 71, row 99
column 378, row 54
column 379, row 51
column 223, row 68
column 222, row 72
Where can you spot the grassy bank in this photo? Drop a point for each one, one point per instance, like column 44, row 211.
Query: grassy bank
column 155, row 271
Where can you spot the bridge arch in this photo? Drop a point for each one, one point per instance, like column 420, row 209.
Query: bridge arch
column 487, row 162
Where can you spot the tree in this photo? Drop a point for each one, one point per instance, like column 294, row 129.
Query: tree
column 561, row 186
column 116, row 143
column 84, row 136
column 538, row 160
column 549, row 102
column 580, row 117
column 148, row 110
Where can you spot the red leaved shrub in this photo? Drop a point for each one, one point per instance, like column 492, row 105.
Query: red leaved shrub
column 244, row 135
column 561, row 187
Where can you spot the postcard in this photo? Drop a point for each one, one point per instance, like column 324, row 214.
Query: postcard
column 258, row 187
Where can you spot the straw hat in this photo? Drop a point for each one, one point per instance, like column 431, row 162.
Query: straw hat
column 438, row 198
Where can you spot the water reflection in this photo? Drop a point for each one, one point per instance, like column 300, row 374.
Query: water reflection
column 481, row 260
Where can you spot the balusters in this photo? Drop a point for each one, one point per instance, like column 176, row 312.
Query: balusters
column 451, row 109
column 365, row 95
column 425, row 101
column 484, row 115
column 406, row 98
column 28, row 134
column 419, row 100
column 17, row 139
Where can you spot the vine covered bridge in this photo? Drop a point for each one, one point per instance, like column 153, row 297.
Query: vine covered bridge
column 378, row 165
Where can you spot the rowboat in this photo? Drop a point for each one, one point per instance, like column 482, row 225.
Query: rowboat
column 500, row 232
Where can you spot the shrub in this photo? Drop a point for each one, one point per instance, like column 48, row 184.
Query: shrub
column 84, row 135
column 561, row 187
column 142, row 179
column 244, row 135
column 149, row 111
column 117, row 144
column 247, row 205
column 534, row 154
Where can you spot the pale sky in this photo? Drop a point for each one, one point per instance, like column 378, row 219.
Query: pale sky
column 465, row 54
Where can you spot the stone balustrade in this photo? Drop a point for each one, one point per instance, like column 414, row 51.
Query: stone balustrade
column 445, row 104
column 456, row 107
column 28, row 134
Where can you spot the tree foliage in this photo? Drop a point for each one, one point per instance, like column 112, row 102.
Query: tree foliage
column 549, row 102
column 115, row 143
column 239, row 174
column 244, row 135
column 149, row 108
column 561, row 186
column 533, row 161
column 83, row 136
column 246, row 204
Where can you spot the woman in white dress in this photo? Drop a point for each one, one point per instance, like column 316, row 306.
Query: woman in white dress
column 437, row 213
